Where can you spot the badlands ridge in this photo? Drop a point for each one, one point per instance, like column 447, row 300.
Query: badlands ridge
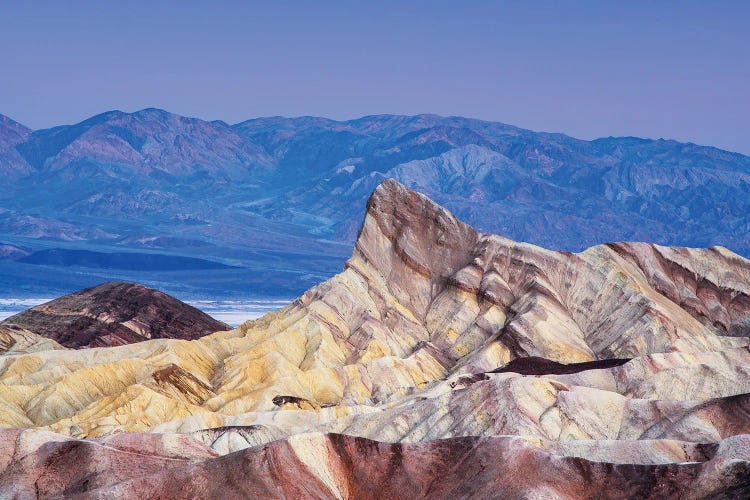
column 441, row 362
column 115, row 313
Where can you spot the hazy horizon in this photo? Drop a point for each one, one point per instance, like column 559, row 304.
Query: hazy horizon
column 587, row 69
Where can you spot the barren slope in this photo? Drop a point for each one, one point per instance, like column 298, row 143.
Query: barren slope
column 114, row 313
column 622, row 354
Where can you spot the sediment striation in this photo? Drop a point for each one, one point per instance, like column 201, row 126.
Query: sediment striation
column 441, row 362
column 111, row 314
column 339, row 466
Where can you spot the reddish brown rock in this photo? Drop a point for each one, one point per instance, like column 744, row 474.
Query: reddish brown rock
column 115, row 313
column 338, row 466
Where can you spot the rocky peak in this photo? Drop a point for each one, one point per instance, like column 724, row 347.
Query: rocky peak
column 482, row 298
column 427, row 238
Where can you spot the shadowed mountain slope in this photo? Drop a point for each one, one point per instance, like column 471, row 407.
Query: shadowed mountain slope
column 242, row 194
column 12, row 163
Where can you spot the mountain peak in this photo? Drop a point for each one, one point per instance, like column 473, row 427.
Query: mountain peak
column 157, row 114
column 428, row 238
column 427, row 258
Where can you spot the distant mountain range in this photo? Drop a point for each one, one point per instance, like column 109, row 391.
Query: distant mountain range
column 278, row 201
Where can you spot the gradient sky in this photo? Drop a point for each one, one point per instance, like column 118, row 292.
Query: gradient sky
column 677, row 69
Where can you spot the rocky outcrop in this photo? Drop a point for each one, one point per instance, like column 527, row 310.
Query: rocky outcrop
column 602, row 372
column 114, row 313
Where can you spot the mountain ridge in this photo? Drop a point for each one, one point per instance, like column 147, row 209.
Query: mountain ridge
column 276, row 119
column 283, row 184
column 438, row 352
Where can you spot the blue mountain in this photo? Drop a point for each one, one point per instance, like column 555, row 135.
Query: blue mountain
column 276, row 202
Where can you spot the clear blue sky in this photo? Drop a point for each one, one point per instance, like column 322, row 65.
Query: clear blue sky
column 677, row 69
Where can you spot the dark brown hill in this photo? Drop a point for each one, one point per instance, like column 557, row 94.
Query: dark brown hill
column 115, row 313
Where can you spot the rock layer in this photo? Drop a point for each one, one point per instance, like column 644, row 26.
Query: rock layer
column 337, row 466
column 114, row 313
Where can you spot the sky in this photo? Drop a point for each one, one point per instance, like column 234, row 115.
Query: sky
column 657, row 69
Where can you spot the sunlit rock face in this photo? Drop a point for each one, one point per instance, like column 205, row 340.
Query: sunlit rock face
column 621, row 370
column 114, row 313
